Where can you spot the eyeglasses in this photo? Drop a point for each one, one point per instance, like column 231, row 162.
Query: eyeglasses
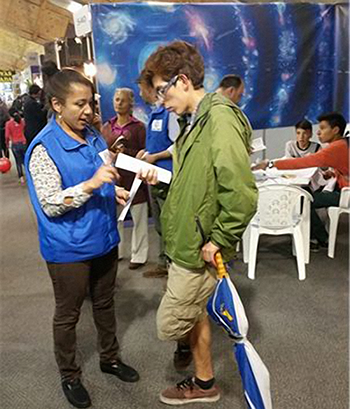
column 162, row 91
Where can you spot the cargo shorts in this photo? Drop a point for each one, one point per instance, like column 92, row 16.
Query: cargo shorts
column 185, row 300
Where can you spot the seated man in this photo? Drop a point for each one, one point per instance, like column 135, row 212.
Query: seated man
column 331, row 130
column 213, row 190
column 302, row 146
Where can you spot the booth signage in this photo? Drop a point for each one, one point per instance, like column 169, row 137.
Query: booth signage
column 82, row 21
column 6, row 75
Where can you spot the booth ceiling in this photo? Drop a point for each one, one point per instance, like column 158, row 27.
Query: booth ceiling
column 26, row 25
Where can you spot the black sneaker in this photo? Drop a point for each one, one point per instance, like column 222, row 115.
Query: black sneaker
column 323, row 244
column 182, row 356
column 119, row 369
column 76, row 394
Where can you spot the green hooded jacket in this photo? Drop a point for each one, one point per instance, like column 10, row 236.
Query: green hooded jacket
column 212, row 183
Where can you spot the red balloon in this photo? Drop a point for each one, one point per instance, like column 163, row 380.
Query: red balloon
column 5, row 165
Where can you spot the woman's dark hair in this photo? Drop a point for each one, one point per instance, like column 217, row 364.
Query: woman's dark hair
column 49, row 68
column 304, row 124
column 59, row 85
column 15, row 114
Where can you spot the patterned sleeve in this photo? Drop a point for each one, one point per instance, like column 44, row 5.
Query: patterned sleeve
column 48, row 185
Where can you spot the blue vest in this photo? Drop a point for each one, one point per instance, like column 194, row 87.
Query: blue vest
column 157, row 139
column 86, row 232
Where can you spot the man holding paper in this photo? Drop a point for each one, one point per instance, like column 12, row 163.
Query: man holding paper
column 212, row 190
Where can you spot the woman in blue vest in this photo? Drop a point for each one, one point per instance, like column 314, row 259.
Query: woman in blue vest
column 73, row 196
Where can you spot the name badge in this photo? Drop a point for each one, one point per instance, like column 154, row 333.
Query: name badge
column 157, row 125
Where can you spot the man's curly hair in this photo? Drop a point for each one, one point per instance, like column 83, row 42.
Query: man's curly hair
column 178, row 57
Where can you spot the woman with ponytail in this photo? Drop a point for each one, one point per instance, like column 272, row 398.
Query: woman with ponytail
column 14, row 136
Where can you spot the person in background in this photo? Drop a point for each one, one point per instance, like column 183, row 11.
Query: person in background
column 4, row 117
column 213, row 191
column 73, row 196
column 35, row 115
column 336, row 155
column 124, row 133
column 231, row 87
column 14, row 135
column 162, row 130
column 48, row 69
column 18, row 103
column 302, row 146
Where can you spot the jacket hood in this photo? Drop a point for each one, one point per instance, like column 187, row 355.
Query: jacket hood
column 214, row 99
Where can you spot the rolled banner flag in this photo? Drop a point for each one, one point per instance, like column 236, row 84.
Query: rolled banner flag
column 226, row 309
column 254, row 374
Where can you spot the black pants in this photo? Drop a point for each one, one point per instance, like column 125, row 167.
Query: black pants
column 71, row 282
column 322, row 200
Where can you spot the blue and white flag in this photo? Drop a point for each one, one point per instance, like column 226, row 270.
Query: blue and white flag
column 226, row 309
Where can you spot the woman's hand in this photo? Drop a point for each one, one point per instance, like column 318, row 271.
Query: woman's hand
column 121, row 195
column 104, row 174
column 208, row 253
column 150, row 176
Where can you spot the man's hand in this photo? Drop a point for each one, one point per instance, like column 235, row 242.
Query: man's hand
column 140, row 154
column 150, row 176
column 261, row 165
column 149, row 158
column 146, row 156
column 121, row 195
column 208, row 253
column 327, row 174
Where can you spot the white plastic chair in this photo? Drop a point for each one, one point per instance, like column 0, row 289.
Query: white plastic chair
column 280, row 212
column 334, row 213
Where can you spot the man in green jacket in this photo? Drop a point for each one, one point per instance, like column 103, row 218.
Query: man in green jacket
column 211, row 200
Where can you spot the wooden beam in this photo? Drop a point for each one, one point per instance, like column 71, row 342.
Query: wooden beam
column 36, row 26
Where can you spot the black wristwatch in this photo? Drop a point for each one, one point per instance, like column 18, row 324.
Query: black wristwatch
column 271, row 164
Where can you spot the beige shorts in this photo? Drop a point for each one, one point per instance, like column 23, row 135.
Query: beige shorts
column 184, row 302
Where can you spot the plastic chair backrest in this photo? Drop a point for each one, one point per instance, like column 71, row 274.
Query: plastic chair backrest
column 344, row 201
column 279, row 206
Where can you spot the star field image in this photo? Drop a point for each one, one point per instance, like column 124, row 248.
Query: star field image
column 284, row 53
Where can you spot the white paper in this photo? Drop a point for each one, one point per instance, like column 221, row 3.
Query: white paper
column 134, row 188
column 105, row 156
column 306, row 173
column 131, row 164
column 300, row 177
column 330, row 185
column 257, row 145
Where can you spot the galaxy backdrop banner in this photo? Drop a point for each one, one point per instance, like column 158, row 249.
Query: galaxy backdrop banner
column 287, row 54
